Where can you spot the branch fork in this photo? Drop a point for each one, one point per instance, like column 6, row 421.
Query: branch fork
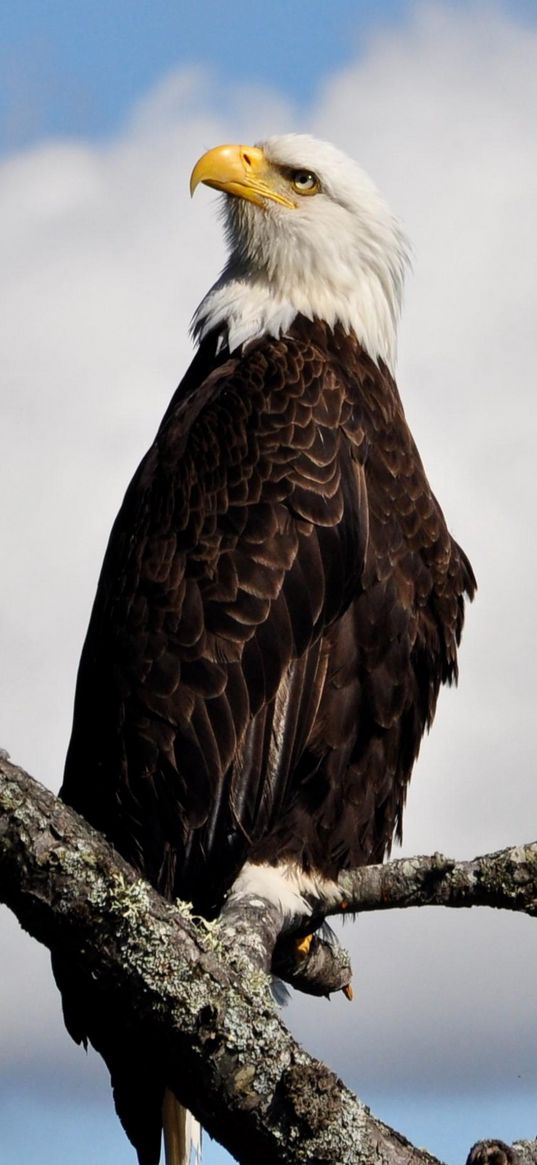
column 202, row 991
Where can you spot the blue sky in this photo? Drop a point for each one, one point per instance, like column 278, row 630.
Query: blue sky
column 75, row 69
column 104, row 107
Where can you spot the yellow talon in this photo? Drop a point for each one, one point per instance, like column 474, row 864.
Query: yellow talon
column 303, row 945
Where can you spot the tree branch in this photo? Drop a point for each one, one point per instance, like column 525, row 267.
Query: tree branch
column 506, row 879
column 202, row 998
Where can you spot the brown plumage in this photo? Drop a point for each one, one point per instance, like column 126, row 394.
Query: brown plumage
column 278, row 606
column 279, row 583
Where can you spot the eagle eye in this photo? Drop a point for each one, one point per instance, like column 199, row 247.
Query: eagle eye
column 305, row 182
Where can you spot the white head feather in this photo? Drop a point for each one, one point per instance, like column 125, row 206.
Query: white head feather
column 340, row 256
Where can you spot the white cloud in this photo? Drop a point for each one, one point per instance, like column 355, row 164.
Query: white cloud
column 104, row 260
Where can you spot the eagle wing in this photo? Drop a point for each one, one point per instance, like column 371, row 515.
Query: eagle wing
column 241, row 539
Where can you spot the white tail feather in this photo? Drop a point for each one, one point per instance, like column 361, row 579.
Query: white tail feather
column 182, row 1133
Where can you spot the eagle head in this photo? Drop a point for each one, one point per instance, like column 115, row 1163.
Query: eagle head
column 308, row 234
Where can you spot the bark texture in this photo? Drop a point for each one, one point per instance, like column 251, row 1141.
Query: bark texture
column 204, row 997
column 506, row 879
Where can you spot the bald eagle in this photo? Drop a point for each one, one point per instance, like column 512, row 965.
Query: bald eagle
column 280, row 599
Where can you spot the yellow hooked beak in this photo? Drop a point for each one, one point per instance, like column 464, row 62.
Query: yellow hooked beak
column 239, row 170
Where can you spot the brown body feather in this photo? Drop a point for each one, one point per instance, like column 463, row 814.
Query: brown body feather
column 279, row 604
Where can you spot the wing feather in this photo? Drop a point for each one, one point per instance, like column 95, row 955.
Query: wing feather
column 278, row 606
column 218, row 578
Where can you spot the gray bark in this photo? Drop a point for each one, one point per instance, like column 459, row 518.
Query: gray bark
column 506, row 879
column 204, row 997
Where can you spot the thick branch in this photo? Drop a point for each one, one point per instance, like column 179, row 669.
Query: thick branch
column 228, row 1055
column 226, row 1052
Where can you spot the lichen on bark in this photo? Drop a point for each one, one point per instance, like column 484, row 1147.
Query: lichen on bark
column 208, row 1005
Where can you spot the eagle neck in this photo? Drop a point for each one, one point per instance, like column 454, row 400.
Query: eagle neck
column 241, row 308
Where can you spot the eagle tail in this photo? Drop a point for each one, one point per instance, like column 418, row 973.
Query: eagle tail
column 182, row 1133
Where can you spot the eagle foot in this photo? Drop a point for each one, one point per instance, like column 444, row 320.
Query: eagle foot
column 303, row 944
column 314, row 963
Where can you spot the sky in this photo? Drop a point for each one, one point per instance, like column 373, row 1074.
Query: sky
column 106, row 107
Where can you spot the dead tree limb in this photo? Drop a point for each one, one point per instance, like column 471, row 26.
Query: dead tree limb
column 506, row 879
column 228, row 1055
